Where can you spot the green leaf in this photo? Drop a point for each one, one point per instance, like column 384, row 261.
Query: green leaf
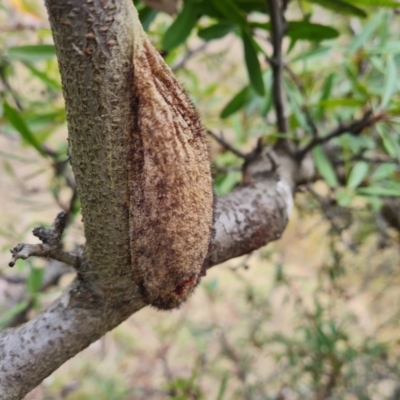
column 230, row 11
column 319, row 52
column 249, row 6
column 360, row 39
column 390, row 81
column 35, row 280
column 237, row 102
column 384, row 171
column 376, row 3
column 222, row 387
column 379, row 191
column 49, row 82
column 228, row 183
column 19, row 124
column 216, row 31
column 341, row 102
column 32, row 53
column 180, row 29
column 324, row 166
column 6, row 317
column 357, row 174
column 341, row 7
column 304, row 30
column 146, row 16
column 252, row 63
column 326, row 92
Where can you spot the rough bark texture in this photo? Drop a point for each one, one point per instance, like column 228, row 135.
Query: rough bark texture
column 94, row 42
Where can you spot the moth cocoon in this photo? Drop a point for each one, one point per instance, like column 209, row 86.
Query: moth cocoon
column 171, row 195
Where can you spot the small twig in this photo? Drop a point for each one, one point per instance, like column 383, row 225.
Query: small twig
column 190, row 53
column 278, row 30
column 227, row 145
column 50, row 246
column 353, row 128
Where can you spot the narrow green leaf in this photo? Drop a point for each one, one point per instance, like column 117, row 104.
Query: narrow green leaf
column 249, row 6
column 304, row 30
column 379, row 191
column 180, row 29
column 390, row 81
column 341, row 7
column 325, row 93
column 216, row 31
column 384, row 171
column 19, row 124
column 146, row 16
column 357, row 174
column 35, row 280
column 341, row 102
column 360, row 39
column 230, row 11
column 49, row 82
column 32, row 53
column 324, row 166
column 376, row 3
column 229, row 182
column 319, row 52
column 252, row 63
column 236, row 103
column 6, row 317
column 222, row 387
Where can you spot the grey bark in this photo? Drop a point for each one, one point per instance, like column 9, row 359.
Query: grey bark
column 94, row 43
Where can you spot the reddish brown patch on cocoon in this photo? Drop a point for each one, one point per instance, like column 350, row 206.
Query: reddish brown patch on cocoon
column 171, row 196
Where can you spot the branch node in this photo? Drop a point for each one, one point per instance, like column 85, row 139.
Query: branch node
column 53, row 235
column 50, row 246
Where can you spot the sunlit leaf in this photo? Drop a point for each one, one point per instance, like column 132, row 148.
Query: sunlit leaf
column 379, row 191
column 360, row 39
column 376, row 3
column 357, row 174
column 390, row 81
column 324, row 166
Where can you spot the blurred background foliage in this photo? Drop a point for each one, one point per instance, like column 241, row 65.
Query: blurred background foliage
column 315, row 315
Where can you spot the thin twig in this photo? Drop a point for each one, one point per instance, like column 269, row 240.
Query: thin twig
column 189, row 54
column 227, row 145
column 50, row 246
column 354, row 128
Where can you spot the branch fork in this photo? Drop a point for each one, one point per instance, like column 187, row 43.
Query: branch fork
column 50, row 246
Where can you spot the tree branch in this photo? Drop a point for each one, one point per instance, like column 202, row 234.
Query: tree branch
column 278, row 31
column 354, row 128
